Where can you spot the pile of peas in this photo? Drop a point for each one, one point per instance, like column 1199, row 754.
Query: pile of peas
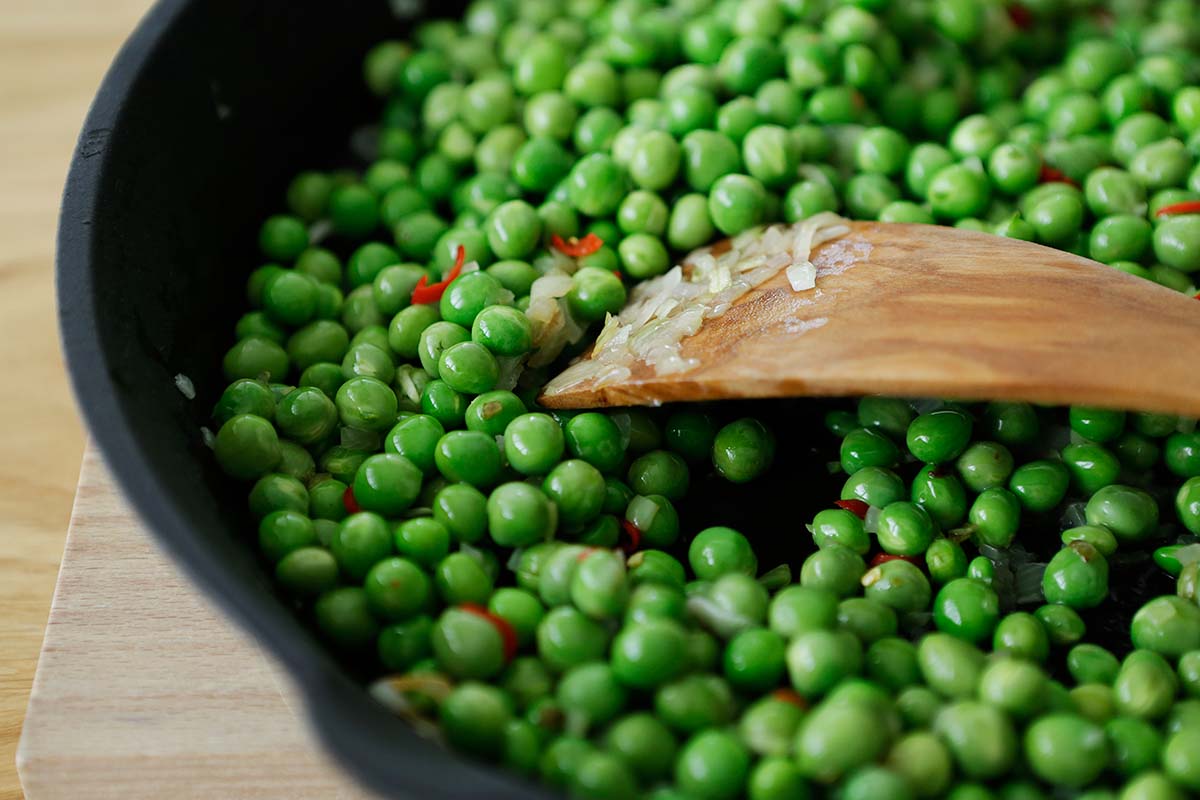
column 960, row 626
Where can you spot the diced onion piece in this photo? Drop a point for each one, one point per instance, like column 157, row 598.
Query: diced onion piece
column 802, row 276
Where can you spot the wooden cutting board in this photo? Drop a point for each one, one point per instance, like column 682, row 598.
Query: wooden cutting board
column 143, row 689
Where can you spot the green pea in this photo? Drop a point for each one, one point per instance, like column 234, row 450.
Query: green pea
column 985, row 465
column 1145, row 686
column 938, row 436
column 867, row 448
column 867, row 619
column 941, row 495
column 713, row 764
column 1090, row 663
column 1039, row 485
column 1134, row 745
column 461, row 578
column 904, row 528
column 949, row 665
column 838, row 526
column 719, row 550
column 694, row 702
column 1066, row 749
column 257, row 358
column 743, row 450
column 367, row 404
column 838, row 737
column 1098, row 537
column 468, row 457
column 736, row 202
column 956, row 192
column 874, row 486
column 247, row 447
column 945, row 560
column 387, row 484
column 1063, row 624
column 644, row 743
column 1167, row 625
column 1022, row 635
column 966, row 608
column 1011, row 424
column 1109, row 191
column 1077, row 576
column 577, row 490
column 979, row 736
column 643, row 256
column 1131, row 514
column 897, row 584
column 1092, row 466
column 244, row 396
column 343, row 617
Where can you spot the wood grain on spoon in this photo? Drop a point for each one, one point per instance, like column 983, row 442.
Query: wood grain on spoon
column 931, row 311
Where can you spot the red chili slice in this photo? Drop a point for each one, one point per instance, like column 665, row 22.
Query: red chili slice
column 432, row 293
column 883, row 557
column 1049, row 174
column 350, row 501
column 790, row 696
column 1186, row 207
column 620, row 277
column 856, row 507
column 635, row 537
column 1021, row 16
column 502, row 626
column 577, row 248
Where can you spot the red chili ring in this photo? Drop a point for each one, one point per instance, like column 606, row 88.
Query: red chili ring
column 1049, row 174
column 883, row 557
column 350, row 501
column 1186, row 207
column 856, row 507
column 635, row 537
column 432, row 293
column 1021, row 16
column 577, row 248
column 790, row 696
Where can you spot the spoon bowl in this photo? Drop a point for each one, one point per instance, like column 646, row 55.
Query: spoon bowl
column 930, row 311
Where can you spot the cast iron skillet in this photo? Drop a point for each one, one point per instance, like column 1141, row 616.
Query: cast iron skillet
column 206, row 112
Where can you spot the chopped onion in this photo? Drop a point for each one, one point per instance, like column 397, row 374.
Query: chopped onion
column 514, row 559
column 715, row 617
column 923, row 405
column 1029, row 582
column 185, row 386
column 1073, row 515
column 871, row 522
column 1187, row 554
column 319, row 231
column 665, row 310
column 510, row 372
column 802, row 276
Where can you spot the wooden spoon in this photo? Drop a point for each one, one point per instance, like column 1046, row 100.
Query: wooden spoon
column 931, row 311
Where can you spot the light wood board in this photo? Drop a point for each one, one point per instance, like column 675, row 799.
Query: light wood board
column 144, row 691
column 52, row 56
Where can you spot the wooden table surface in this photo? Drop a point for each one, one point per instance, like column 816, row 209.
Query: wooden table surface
column 53, row 54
